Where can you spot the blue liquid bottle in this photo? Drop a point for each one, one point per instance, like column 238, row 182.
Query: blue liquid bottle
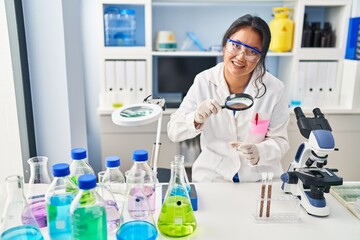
column 87, row 211
column 58, row 199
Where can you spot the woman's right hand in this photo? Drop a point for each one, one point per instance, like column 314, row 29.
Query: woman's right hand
column 205, row 109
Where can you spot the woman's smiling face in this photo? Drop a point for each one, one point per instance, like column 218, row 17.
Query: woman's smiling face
column 236, row 66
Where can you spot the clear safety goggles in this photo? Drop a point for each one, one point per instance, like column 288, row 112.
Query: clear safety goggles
column 235, row 48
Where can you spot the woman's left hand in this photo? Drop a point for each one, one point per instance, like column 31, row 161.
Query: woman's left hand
column 248, row 150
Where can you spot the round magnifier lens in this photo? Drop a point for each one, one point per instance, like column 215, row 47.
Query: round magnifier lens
column 239, row 102
column 135, row 115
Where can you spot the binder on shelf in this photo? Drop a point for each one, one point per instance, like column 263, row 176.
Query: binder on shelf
column 322, row 78
column 130, row 67
column 141, row 89
column 303, row 83
column 110, row 76
column 120, row 77
column 332, row 91
column 110, row 98
column 311, row 85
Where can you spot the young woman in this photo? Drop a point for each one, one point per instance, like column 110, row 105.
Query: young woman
column 236, row 146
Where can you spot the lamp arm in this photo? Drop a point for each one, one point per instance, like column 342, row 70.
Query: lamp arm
column 157, row 144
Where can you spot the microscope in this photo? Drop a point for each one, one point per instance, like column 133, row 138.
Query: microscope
column 306, row 177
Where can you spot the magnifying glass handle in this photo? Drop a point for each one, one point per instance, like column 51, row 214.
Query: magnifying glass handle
column 223, row 106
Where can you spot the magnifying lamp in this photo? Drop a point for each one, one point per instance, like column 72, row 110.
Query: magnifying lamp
column 141, row 114
column 238, row 102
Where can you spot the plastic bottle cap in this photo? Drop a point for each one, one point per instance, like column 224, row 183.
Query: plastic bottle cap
column 140, row 155
column 61, row 170
column 78, row 153
column 87, row 181
column 127, row 11
column 112, row 161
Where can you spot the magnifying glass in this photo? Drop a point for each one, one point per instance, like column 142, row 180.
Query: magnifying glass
column 238, row 102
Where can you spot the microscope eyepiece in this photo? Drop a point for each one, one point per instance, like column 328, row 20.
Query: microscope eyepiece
column 318, row 113
column 299, row 113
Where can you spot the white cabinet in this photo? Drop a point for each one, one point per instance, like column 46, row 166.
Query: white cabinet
column 314, row 75
column 125, row 71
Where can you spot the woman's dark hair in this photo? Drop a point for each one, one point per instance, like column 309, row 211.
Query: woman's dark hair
column 260, row 26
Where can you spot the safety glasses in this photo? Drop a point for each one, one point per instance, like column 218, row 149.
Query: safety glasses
column 236, row 48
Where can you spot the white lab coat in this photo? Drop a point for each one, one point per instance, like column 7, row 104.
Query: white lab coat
column 218, row 161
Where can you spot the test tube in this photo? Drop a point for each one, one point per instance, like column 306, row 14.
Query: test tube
column 262, row 195
column 269, row 189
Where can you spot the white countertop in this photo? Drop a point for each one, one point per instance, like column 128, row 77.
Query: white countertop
column 225, row 212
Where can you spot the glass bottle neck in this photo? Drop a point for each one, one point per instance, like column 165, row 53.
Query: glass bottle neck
column 177, row 174
column 14, row 188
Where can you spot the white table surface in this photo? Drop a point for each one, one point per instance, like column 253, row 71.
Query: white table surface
column 225, row 212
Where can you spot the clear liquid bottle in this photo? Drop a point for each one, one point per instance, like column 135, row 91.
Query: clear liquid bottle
column 177, row 218
column 126, row 28
column 79, row 165
column 137, row 221
column 113, row 180
column 87, row 211
column 39, row 183
column 140, row 158
column 17, row 221
column 58, row 200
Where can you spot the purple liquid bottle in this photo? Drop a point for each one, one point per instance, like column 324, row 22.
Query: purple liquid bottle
column 140, row 158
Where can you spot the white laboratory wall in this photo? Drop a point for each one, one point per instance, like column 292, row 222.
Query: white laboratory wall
column 90, row 32
column 54, row 47
column 10, row 146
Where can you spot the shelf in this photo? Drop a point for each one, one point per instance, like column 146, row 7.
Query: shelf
column 125, row 52
column 180, row 53
column 219, row 54
column 207, row 2
column 320, row 53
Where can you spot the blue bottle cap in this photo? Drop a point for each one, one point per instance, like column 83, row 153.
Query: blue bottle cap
column 87, row 181
column 112, row 161
column 127, row 11
column 140, row 155
column 78, row 153
column 61, row 170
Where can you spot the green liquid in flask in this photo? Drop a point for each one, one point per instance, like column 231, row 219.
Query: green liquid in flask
column 177, row 217
column 89, row 223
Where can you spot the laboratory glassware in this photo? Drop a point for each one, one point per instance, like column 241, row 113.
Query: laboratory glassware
column 179, row 160
column 17, row 221
column 137, row 221
column 177, row 218
column 140, row 158
column 59, row 196
column 39, row 183
column 87, row 211
column 79, row 165
column 114, row 180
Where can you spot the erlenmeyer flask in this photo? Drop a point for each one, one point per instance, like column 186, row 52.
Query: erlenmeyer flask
column 177, row 218
column 179, row 159
column 39, row 183
column 17, row 221
column 137, row 221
